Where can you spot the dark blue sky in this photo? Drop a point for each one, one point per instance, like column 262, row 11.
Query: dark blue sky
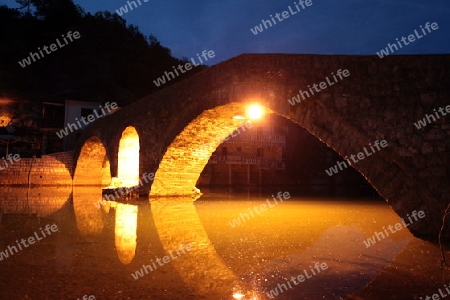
column 325, row 27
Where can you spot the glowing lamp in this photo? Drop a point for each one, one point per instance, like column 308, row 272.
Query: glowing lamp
column 255, row 112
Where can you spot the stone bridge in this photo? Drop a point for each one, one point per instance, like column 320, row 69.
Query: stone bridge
column 173, row 132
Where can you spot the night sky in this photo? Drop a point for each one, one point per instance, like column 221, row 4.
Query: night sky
column 325, row 27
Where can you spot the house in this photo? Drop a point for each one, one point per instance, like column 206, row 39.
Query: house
column 55, row 117
column 249, row 158
column 31, row 128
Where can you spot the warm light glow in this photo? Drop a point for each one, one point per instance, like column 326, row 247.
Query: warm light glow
column 115, row 183
column 238, row 118
column 5, row 112
column 128, row 168
column 5, row 120
column 255, row 112
column 238, row 296
column 125, row 231
column 6, row 101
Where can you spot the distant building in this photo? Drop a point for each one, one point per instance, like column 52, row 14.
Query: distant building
column 250, row 158
column 276, row 151
column 30, row 128
column 56, row 116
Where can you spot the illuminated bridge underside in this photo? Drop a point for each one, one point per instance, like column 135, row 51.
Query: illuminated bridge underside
column 381, row 99
column 189, row 153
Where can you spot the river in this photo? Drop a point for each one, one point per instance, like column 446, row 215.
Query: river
column 222, row 246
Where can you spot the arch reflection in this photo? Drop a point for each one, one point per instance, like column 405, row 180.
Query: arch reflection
column 89, row 217
column 177, row 223
column 125, row 231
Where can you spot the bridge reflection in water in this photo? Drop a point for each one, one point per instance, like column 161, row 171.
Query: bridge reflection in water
column 178, row 223
column 125, row 231
column 225, row 262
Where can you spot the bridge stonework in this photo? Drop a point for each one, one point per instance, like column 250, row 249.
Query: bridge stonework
column 181, row 125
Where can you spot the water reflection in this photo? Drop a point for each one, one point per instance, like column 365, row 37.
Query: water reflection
column 125, row 231
column 89, row 218
column 285, row 240
column 177, row 222
column 91, row 215
column 114, row 240
column 42, row 202
column 347, row 258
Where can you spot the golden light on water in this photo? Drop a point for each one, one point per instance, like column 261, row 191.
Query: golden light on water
column 128, row 167
column 125, row 231
column 255, row 112
column 200, row 267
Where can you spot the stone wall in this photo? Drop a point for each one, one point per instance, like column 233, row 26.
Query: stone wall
column 51, row 170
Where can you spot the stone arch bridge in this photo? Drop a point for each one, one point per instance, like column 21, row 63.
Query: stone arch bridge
column 175, row 130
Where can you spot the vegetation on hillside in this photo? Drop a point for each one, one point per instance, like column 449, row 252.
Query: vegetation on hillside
column 111, row 61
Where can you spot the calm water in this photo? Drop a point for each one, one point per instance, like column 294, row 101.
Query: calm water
column 202, row 252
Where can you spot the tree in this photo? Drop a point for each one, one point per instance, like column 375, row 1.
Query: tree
column 57, row 13
column 25, row 4
column 112, row 61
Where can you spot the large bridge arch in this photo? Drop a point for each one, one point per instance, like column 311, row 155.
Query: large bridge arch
column 187, row 155
column 379, row 100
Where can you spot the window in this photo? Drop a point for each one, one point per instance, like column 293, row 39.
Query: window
column 85, row 112
column 53, row 115
column 259, row 152
column 224, row 151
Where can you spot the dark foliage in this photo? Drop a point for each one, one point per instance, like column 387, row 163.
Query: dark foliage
column 109, row 62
